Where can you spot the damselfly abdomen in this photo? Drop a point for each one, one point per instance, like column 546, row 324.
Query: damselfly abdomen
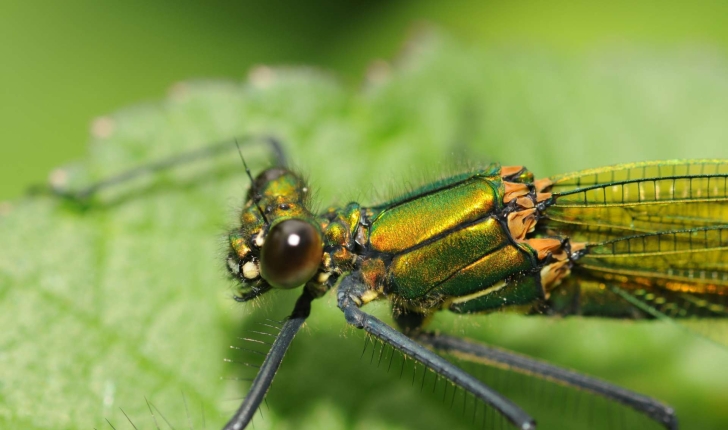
column 643, row 240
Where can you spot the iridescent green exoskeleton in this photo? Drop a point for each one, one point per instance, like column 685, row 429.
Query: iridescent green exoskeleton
column 644, row 240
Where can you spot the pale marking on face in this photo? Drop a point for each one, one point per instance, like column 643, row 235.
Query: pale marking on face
column 233, row 266
column 323, row 277
column 259, row 240
column 250, row 270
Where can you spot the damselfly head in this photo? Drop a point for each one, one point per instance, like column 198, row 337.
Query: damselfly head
column 279, row 243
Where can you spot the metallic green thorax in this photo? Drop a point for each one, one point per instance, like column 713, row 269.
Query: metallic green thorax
column 449, row 245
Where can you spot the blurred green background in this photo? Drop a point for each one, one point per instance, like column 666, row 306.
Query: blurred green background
column 64, row 63
column 649, row 78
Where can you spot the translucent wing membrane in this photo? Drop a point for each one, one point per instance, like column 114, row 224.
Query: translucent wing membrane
column 656, row 233
column 690, row 261
column 477, row 353
column 643, row 197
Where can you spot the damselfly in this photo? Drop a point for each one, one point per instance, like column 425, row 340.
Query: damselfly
column 643, row 240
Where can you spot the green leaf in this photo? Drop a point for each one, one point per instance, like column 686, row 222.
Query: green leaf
column 102, row 306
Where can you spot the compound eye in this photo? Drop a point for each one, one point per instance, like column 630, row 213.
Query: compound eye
column 291, row 254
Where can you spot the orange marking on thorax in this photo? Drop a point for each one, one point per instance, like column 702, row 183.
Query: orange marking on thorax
column 514, row 190
column 521, row 223
column 547, row 246
column 510, row 170
column 542, row 184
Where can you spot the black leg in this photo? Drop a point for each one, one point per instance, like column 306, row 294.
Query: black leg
column 272, row 362
column 351, row 290
column 472, row 351
column 170, row 163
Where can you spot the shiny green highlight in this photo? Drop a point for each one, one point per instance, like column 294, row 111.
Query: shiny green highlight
column 409, row 223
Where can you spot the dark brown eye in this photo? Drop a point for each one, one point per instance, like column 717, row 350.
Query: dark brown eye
column 291, row 254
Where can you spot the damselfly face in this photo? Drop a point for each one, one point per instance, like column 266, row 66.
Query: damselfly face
column 279, row 243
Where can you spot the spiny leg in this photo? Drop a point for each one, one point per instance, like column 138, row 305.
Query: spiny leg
column 473, row 351
column 166, row 164
column 349, row 296
column 272, row 362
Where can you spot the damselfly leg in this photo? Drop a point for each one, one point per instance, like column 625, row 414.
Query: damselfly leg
column 272, row 362
column 349, row 299
column 473, row 351
column 173, row 162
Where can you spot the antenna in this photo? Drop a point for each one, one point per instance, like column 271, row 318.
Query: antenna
column 256, row 196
